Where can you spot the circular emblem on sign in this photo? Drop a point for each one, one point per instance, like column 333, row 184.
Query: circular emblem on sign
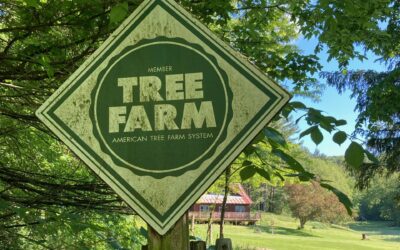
column 161, row 107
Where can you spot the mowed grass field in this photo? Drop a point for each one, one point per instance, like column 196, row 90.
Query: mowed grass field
column 316, row 235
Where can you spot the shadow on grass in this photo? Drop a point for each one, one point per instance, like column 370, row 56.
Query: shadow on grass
column 375, row 228
column 284, row 231
column 393, row 239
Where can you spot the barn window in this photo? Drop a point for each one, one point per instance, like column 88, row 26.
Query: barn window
column 204, row 208
column 240, row 209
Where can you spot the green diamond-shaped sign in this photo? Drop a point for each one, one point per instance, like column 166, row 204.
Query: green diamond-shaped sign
column 161, row 109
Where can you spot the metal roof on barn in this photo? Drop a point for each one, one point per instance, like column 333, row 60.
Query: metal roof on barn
column 240, row 198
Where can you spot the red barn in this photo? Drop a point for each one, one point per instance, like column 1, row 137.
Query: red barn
column 237, row 207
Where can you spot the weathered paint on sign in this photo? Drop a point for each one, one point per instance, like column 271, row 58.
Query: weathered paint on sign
column 161, row 109
column 150, row 102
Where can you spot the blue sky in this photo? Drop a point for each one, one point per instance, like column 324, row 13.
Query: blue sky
column 333, row 104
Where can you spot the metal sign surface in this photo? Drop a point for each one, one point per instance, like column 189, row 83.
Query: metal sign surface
column 161, row 109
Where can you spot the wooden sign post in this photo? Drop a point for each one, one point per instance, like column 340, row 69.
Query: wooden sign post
column 176, row 238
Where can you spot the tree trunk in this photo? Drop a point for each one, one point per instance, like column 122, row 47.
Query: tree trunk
column 209, row 234
column 223, row 207
column 192, row 225
column 265, row 197
column 271, row 200
column 209, row 226
column 302, row 222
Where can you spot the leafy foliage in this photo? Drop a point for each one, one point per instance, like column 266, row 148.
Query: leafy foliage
column 381, row 201
column 49, row 199
column 118, row 12
column 377, row 96
column 268, row 193
column 272, row 158
column 340, row 25
column 311, row 202
column 376, row 93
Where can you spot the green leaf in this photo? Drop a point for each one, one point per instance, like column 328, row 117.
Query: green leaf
column 143, row 232
column 286, row 111
column 340, row 123
column 264, row 173
column 299, row 119
column 46, row 64
column 247, row 163
column 114, row 244
column 247, row 172
column 279, row 175
column 326, row 126
column 32, row 3
column 118, row 12
column 21, row 211
column 250, row 149
column 314, row 115
column 293, row 164
column 343, row 198
column 307, row 132
column 77, row 227
column 97, row 228
column 354, row 155
column 327, row 123
column 4, row 204
column 258, row 138
column 298, row 105
column 317, row 136
column 339, row 137
column 274, row 136
column 305, row 176
column 371, row 157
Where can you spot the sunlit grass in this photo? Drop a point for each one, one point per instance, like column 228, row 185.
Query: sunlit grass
column 278, row 232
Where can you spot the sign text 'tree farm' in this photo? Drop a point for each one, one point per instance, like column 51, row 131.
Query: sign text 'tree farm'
column 161, row 109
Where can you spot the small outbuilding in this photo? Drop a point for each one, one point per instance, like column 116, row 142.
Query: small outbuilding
column 237, row 207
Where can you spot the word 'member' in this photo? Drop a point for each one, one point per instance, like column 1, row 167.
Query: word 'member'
column 186, row 87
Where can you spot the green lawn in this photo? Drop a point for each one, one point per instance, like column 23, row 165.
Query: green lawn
column 316, row 235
